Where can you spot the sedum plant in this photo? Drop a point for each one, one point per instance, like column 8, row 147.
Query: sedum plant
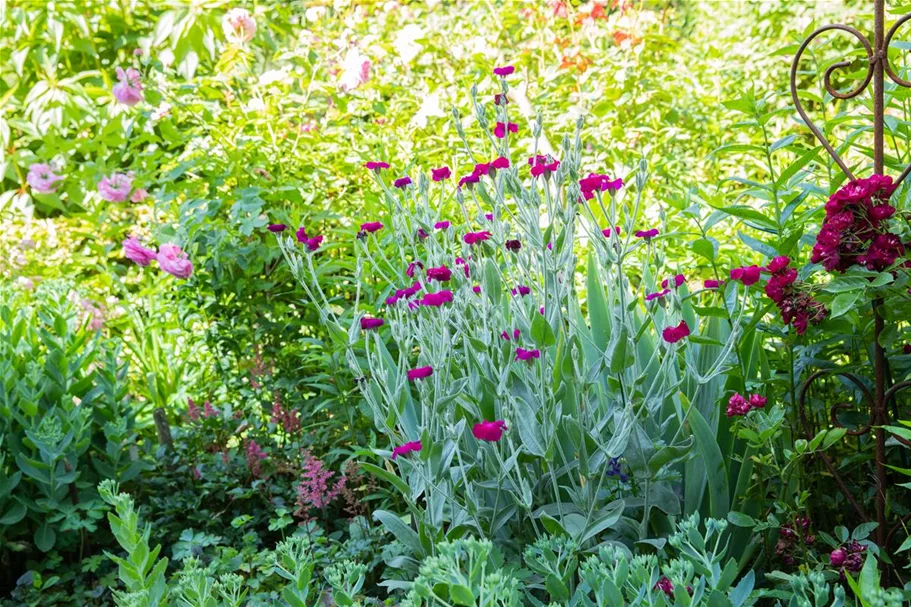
column 534, row 362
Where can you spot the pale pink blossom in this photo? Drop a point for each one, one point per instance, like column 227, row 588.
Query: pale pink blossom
column 239, row 25
column 139, row 194
column 138, row 254
column 128, row 89
column 355, row 70
column 117, row 187
column 41, row 178
column 175, row 261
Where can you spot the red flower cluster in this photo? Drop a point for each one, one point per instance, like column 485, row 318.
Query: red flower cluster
column 797, row 307
column 789, row 539
column 543, row 165
column 848, row 557
column 854, row 232
column 598, row 183
column 738, row 405
column 403, row 294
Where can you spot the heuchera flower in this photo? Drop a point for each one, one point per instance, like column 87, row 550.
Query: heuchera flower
column 476, row 237
column 489, row 431
column 407, row 448
column 174, row 261
column 441, row 274
column 402, row 182
column 128, row 89
column 513, row 245
column 674, row 334
column 543, row 165
column 420, row 373
column 504, row 70
column 41, row 178
column 239, row 25
column 523, row 354
column 277, row 227
column 647, row 234
column 376, row 165
column 116, row 188
column 501, row 128
column 138, row 254
column 796, row 304
column 371, row 226
column 368, row 323
column 442, row 225
column 674, row 282
column 436, row 300
column 596, row 182
column 748, row 275
column 440, row 174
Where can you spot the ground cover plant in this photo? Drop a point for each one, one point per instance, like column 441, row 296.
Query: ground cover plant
column 450, row 303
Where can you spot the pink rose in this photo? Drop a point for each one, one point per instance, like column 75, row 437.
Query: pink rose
column 138, row 254
column 174, row 261
column 116, row 188
column 239, row 25
column 128, row 89
column 41, row 178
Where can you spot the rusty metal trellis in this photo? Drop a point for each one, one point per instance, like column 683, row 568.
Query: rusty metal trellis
column 877, row 69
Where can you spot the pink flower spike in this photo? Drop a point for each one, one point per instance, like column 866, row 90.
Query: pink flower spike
column 442, row 225
column 372, row 226
column 420, row 373
column 368, row 323
column 275, row 228
column 647, row 234
column 504, row 70
column 376, row 166
column 174, row 261
column 527, row 355
column 407, row 448
column 42, row 179
column 489, row 431
column 138, row 254
column 441, row 173
column 402, row 182
column 674, row 334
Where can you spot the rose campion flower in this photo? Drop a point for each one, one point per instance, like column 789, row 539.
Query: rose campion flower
column 276, row 228
column 489, row 431
column 500, row 99
column 647, row 234
column 138, row 254
column 504, row 70
column 407, row 448
column 712, row 284
column 515, row 335
column 476, row 237
column 674, row 334
column 41, row 178
column 513, row 245
column 128, row 89
column 435, row 300
column 442, row 225
column 607, row 231
column 372, row 226
column 527, row 355
column 314, row 243
column 174, row 261
column 658, row 295
column 469, row 180
column 116, row 188
column 477, row 290
column 139, row 194
column 440, row 274
column 501, row 128
column 402, row 182
column 376, row 166
column 239, row 25
column 748, row 275
column 500, row 162
column 368, row 323
column 674, row 282
column 441, row 173
column 521, row 290
column 301, row 235
column 488, row 216
column 420, row 373
column 543, row 165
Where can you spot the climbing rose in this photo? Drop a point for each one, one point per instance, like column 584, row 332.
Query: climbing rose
column 138, row 254
column 523, row 354
column 500, row 130
column 647, row 234
column 489, row 431
column 441, row 173
column 677, row 280
column 368, row 323
column 674, row 334
column 116, row 188
column 128, row 89
column 778, row 264
column 442, row 225
column 441, row 274
column 748, row 275
column 174, row 261
column 757, row 401
column 275, row 228
column 505, row 70
column 420, row 373
column 476, row 237
column 436, row 300
column 376, row 166
column 372, row 226
column 238, row 24
column 402, row 182
column 41, row 178
column 513, row 245
column 406, row 449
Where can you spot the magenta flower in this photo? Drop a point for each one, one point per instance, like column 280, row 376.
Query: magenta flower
column 208, row 410
column 407, row 448
column 116, row 188
column 674, row 334
column 504, row 70
column 488, row 216
column 712, row 284
column 128, row 89
column 658, row 295
column 737, row 406
column 435, row 300
column 376, row 166
column 778, row 264
column 489, row 431
column 368, row 323
column 500, row 99
column 409, row 271
column 757, row 401
column 476, row 237
column 138, row 254
column 748, row 275
column 420, row 373
column 500, row 130
column 301, row 235
column 647, row 234
column 41, row 178
column 523, row 354
column 441, row 173
column 442, row 225
column 665, row 586
column 607, row 231
column 413, row 289
column 515, row 335
column 371, row 226
column 277, row 227
column 521, row 290
column 500, row 162
column 675, row 282
column 513, row 245
column 598, row 183
column 481, row 169
column 838, row 557
column 314, row 243
column 543, row 165
column 477, row 289
column 174, row 261
column 402, row 182
column 441, row 274
column 469, row 180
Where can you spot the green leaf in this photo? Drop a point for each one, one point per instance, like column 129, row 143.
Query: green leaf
column 461, row 595
column 45, row 537
column 541, row 332
column 400, row 530
column 716, row 472
column 704, row 247
column 844, row 302
column 739, row 519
